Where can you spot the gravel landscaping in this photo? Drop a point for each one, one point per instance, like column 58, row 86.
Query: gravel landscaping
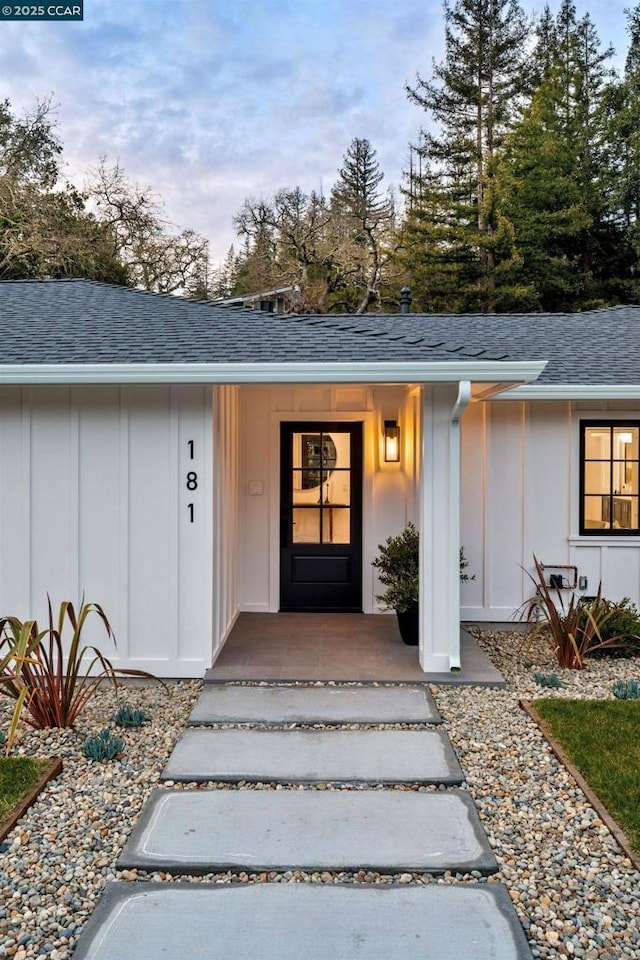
column 575, row 892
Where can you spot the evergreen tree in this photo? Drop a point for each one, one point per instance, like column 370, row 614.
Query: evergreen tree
column 624, row 113
column 366, row 216
column 555, row 177
column 473, row 97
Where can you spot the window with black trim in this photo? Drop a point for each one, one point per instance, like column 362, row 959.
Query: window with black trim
column 609, row 470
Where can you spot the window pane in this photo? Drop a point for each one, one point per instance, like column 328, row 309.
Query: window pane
column 625, row 476
column 597, row 443
column 596, row 513
column 335, row 525
column 625, row 513
column 306, row 525
column 625, row 443
column 597, row 477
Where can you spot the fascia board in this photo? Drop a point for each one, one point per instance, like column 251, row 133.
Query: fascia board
column 568, row 391
column 258, row 373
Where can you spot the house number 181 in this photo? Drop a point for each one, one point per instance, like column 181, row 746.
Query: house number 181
column 191, row 481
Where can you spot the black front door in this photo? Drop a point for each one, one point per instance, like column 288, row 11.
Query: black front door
column 321, row 516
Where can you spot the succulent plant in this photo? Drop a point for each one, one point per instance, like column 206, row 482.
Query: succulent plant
column 626, row 689
column 104, row 746
column 129, row 716
column 550, row 680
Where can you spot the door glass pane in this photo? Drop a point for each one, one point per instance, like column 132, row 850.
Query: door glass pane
column 306, row 525
column 597, row 477
column 337, row 488
column 596, row 513
column 337, row 448
column 336, row 525
column 597, row 443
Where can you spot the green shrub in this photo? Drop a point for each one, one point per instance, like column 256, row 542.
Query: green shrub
column 550, row 680
column 619, row 621
column 128, row 716
column 104, row 746
column 626, row 690
column 398, row 566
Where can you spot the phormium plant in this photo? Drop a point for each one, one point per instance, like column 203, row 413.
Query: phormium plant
column 50, row 673
column 574, row 627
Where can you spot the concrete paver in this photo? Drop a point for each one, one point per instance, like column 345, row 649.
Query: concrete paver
column 306, row 756
column 287, row 921
column 221, row 703
column 386, row 830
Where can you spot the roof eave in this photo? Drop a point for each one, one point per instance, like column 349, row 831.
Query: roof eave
column 573, row 391
column 419, row 371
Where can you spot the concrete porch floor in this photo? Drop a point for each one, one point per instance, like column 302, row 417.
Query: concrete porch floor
column 336, row 646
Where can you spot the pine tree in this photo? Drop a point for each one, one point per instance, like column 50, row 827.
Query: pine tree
column 473, row 97
column 625, row 157
column 555, row 176
column 366, row 215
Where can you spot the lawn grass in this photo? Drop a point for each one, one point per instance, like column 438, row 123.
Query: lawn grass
column 602, row 739
column 18, row 775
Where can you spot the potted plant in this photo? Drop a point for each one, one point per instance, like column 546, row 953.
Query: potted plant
column 398, row 566
column 398, row 569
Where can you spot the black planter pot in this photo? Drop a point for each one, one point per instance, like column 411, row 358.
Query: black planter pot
column 408, row 624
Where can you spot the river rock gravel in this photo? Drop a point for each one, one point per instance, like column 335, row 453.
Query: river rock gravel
column 576, row 893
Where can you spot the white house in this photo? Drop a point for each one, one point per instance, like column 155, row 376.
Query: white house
column 180, row 462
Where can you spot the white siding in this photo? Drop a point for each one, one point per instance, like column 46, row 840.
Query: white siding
column 520, row 496
column 385, row 499
column 93, row 502
column 225, row 511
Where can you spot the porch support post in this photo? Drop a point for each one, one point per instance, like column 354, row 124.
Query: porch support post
column 442, row 408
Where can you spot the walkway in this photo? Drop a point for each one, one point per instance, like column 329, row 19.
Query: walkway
column 336, row 646
column 359, row 824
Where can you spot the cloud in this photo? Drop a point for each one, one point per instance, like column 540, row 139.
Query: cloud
column 210, row 102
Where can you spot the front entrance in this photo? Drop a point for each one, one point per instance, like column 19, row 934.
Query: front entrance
column 321, row 516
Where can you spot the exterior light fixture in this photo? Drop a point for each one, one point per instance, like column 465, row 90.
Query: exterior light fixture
column 391, row 441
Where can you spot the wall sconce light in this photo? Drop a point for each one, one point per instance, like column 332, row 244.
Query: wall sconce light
column 391, row 441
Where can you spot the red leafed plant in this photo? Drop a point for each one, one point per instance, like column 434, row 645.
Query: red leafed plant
column 49, row 679
column 574, row 627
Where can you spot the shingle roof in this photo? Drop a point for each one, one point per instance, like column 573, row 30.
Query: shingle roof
column 83, row 321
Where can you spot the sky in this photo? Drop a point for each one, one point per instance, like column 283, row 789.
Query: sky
column 209, row 102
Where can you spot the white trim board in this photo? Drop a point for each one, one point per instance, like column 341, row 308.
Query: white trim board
column 576, row 391
column 295, row 372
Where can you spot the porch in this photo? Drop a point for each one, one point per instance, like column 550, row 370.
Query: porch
column 336, row 646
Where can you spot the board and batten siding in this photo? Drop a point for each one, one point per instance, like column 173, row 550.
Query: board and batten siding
column 226, row 482
column 387, row 504
column 520, row 497
column 95, row 502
